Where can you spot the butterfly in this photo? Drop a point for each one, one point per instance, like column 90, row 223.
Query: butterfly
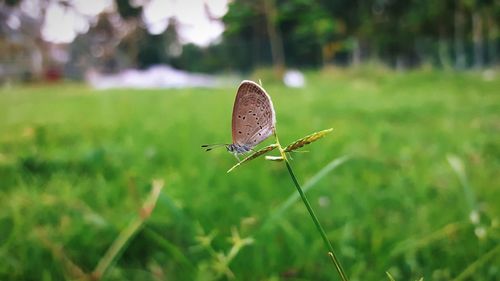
column 253, row 120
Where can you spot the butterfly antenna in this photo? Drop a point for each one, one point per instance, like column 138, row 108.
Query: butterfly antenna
column 212, row 146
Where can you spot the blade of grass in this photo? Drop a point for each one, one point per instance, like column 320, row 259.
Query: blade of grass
column 413, row 244
column 71, row 270
column 473, row 266
column 294, row 197
column 457, row 165
column 170, row 248
column 127, row 233
column 331, row 252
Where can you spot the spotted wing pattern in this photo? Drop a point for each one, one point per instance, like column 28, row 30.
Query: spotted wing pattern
column 253, row 119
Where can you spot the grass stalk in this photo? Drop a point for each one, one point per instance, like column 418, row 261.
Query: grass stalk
column 331, row 252
column 308, row 185
column 116, row 248
column 469, row 271
column 127, row 233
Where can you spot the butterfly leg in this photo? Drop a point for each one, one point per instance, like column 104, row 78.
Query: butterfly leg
column 237, row 158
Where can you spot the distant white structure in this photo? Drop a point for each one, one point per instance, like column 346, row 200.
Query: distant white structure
column 489, row 75
column 294, row 79
column 160, row 76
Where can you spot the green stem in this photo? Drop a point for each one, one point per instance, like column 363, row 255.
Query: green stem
column 475, row 265
column 127, row 233
column 331, row 253
column 116, row 248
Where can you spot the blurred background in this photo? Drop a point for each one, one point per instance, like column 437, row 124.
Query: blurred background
column 99, row 99
column 52, row 40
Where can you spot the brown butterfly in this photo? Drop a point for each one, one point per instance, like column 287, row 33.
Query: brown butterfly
column 253, row 120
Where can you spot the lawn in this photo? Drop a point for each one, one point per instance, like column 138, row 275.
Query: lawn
column 415, row 191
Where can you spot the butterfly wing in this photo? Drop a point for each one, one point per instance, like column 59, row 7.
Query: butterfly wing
column 253, row 119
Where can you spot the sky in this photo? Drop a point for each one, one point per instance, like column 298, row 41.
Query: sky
column 63, row 25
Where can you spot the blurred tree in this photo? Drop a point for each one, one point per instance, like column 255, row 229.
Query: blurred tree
column 22, row 51
column 493, row 21
column 275, row 40
column 127, row 11
column 402, row 33
column 154, row 49
column 12, row 3
column 296, row 33
column 310, row 31
column 245, row 35
column 97, row 48
column 301, row 31
column 481, row 12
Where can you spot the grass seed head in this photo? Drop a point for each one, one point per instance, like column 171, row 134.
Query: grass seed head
column 255, row 155
column 307, row 140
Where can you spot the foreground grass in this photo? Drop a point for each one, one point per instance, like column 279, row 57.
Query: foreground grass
column 76, row 164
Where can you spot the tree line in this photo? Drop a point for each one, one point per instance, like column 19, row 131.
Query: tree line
column 455, row 34
column 402, row 33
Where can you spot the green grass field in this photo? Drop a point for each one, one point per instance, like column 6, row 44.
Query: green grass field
column 418, row 196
